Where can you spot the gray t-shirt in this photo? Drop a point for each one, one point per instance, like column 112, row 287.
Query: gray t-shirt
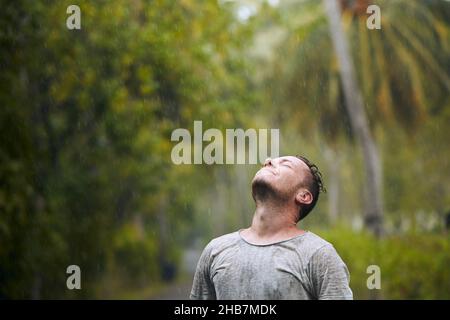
column 304, row 267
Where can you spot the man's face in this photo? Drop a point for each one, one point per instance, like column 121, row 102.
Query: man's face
column 282, row 175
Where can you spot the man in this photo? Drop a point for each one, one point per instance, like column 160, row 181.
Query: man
column 273, row 259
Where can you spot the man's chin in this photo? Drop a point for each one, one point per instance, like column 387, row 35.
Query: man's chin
column 262, row 187
column 261, row 178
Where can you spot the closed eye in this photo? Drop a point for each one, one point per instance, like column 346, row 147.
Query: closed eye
column 286, row 163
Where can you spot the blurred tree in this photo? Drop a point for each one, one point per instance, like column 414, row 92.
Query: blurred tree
column 86, row 122
column 402, row 69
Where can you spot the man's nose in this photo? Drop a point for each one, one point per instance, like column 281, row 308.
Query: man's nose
column 268, row 162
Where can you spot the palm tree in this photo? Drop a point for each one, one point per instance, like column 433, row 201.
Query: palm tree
column 358, row 119
column 354, row 80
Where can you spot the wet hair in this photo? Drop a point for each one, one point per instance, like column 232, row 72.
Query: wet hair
column 314, row 183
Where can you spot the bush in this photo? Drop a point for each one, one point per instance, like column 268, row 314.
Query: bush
column 413, row 266
column 134, row 257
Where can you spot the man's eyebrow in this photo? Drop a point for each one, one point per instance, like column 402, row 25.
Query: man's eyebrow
column 286, row 159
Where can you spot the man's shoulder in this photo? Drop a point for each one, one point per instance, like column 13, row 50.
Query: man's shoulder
column 223, row 241
column 314, row 243
column 317, row 240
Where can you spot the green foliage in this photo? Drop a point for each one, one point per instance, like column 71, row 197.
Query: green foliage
column 86, row 121
column 413, row 266
column 134, row 257
column 392, row 65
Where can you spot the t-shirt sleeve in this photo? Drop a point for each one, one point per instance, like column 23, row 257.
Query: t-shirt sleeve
column 329, row 275
column 203, row 287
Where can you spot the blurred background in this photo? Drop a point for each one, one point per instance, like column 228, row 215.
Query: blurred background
column 86, row 118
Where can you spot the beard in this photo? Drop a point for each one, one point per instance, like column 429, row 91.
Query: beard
column 263, row 190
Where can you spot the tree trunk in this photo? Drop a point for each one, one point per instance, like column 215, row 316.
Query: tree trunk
column 358, row 119
column 333, row 161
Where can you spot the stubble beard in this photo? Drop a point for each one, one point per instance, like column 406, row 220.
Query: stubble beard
column 263, row 191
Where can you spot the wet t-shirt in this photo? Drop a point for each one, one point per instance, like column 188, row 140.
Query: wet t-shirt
column 304, row 267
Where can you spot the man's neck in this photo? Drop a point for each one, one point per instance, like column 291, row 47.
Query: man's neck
column 272, row 222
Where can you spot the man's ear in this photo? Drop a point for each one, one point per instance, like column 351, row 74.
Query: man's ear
column 303, row 196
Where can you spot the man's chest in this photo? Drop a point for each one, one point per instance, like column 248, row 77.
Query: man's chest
column 260, row 274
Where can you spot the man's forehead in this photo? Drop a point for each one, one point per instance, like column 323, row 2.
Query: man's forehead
column 296, row 161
